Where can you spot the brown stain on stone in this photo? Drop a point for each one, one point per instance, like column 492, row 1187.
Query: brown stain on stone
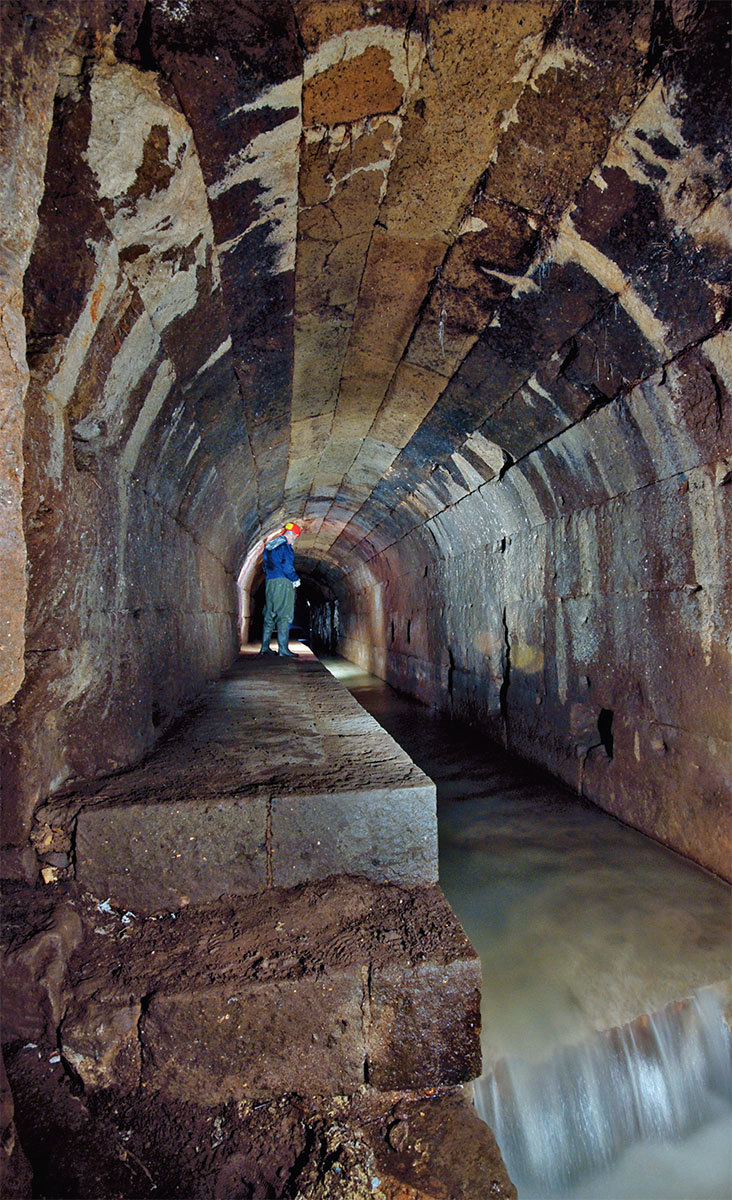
column 361, row 87
column 94, row 306
column 155, row 171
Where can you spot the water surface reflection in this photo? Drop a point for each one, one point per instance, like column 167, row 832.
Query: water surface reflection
column 582, row 924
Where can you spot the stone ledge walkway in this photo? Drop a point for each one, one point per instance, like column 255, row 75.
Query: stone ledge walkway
column 256, row 911
column 277, row 777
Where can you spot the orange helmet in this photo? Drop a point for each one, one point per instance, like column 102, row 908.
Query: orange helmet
column 292, row 526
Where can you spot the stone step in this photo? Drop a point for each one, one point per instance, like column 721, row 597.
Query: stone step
column 278, row 777
column 318, row 990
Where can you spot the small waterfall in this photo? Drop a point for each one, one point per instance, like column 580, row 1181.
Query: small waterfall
column 656, row 1079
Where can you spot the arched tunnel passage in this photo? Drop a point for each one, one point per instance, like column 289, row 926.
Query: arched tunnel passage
column 495, row 394
column 253, row 271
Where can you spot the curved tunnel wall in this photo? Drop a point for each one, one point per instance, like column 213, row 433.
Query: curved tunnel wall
column 129, row 530
column 583, row 594
column 490, row 375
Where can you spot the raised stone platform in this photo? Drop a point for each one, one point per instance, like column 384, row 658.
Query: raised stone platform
column 278, row 777
column 318, row 989
column 255, row 920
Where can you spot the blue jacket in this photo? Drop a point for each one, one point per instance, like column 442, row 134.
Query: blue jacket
column 278, row 559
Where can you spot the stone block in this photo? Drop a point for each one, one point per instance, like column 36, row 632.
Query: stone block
column 159, row 856
column 349, row 91
column 289, row 1035
column 691, row 772
column 384, row 834
column 101, row 1044
column 437, row 1146
column 235, row 801
column 395, row 278
column 35, row 980
column 424, row 1023
column 19, row 864
column 290, row 990
column 476, row 698
column 413, row 391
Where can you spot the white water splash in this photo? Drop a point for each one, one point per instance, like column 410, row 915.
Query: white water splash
column 654, row 1081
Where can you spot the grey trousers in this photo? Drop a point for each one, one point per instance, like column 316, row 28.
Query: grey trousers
column 279, row 609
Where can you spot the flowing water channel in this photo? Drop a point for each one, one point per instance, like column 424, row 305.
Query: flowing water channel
column 606, row 1057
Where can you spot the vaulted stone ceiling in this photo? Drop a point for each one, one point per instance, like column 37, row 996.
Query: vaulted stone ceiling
column 368, row 254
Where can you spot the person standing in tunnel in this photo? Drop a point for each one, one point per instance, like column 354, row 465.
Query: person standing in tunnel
column 278, row 560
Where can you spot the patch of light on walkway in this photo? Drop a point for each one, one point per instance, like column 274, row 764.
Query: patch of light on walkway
column 340, row 669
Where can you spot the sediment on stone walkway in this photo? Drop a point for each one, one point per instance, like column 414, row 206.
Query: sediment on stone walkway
column 178, row 979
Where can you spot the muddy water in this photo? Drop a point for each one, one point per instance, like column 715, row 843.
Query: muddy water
column 582, row 925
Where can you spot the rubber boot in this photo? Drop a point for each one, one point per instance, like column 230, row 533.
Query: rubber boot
column 266, row 639
column 283, row 637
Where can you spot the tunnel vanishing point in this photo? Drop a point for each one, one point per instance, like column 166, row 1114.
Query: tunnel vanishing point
column 447, row 283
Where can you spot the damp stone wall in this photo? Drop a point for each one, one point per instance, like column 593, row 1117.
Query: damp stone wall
column 577, row 609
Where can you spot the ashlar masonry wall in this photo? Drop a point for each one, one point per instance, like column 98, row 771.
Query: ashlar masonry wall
column 578, row 608
column 131, row 597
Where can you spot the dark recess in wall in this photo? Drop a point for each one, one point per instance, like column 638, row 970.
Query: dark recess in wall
column 605, row 729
